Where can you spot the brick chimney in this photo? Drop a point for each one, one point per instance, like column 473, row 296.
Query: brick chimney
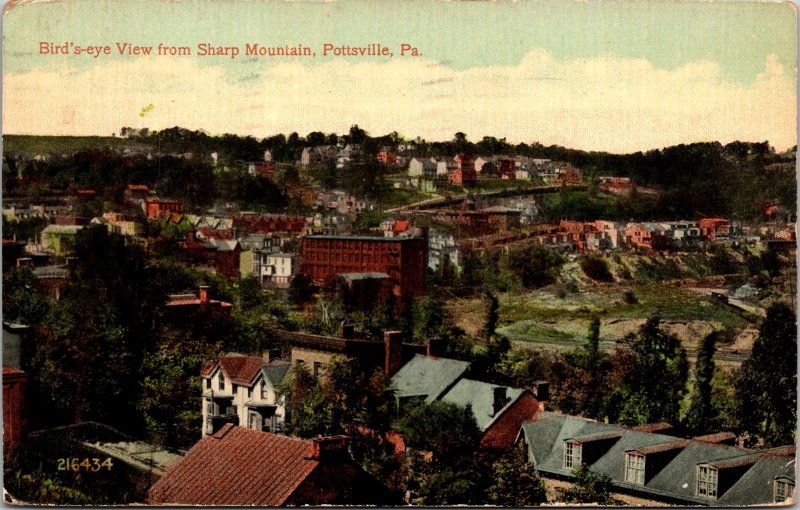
column 346, row 330
column 329, row 449
column 434, row 347
column 393, row 346
column 204, row 293
column 500, row 399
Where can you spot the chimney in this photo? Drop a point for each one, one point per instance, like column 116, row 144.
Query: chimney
column 329, row 449
column 434, row 347
column 204, row 293
column 273, row 354
column 393, row 346
column 346, row 330
column 541, row 390
column 500, row 399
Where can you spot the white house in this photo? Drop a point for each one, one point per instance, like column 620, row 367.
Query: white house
column 243, row 390
column 422, row 167
column 278, row 269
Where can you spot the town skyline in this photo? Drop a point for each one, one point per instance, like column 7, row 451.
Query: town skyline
column 600, row 82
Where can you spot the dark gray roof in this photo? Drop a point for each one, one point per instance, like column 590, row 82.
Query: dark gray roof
column 753, row 472
column 275, row 372
column 480, row 396
column 757, row 485
column 427, row 377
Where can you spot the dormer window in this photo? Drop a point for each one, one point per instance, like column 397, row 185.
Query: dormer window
column 634, row 468
column 572, row 454
column 707, row 481
column 784, row 489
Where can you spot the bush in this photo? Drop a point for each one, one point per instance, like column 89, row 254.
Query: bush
column 596, row 269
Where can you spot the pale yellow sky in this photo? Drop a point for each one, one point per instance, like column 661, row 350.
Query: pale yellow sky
column 531, row 89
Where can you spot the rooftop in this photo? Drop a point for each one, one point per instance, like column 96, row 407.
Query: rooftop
column 427, row 377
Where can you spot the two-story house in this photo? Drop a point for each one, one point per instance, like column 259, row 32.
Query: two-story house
column 243, row 390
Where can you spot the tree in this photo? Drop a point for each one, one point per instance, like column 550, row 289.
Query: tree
column 589, row 487
column 649, row 384
column 534, row 265
column 491, row 315
column 452, row 474
column 300, row 289
column 767, row 387
column 701, row 419
column 515, row 482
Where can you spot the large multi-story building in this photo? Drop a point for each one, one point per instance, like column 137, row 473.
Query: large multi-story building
column 403, row 259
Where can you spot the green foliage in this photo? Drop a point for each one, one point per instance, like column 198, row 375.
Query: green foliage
column 515, row 482
column 22, row 302
column 25, row 229
column 589, row 487
column 445, row 429
column 701, row 419
column 453, row 474
column 491, row 315
column 347, row 396
column 534, row 265
column 596, row 268
column 649, row 383
column 767, row 384
column 300, row 289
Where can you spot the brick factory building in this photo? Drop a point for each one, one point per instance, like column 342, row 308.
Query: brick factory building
column 403, row 259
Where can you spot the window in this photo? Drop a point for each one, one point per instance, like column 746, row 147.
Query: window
column 707, row 481
column 634, row 468
column 572, row 455
column 208, row 384
column 221, row 383
column 784, row 489
column 264, row 391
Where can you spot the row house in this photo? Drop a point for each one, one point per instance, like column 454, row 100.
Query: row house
column 117, row 223
column 136, row 193
column 715, row 229
column 220, row 255
column 214, row 222
column 328, row 224
column 349, row 154
column 647, row 468
column 155, row 208
column 422, row 167
column 320, row 155
column 402, row 258
column 465, row 174
column 568, row 175
column 245, row 224
column 443, row 246
column 265, row 169
column 243, row 390
column 388, row 157
column 343, row 203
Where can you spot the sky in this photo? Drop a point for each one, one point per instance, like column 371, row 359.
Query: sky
column 612, row 76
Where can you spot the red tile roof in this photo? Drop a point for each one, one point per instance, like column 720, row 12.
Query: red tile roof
column 215, row 233
column 237, row 466
column 9, row 370
column 241, row 369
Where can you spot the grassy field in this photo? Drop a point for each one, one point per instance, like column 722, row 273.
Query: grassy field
column 31, row 144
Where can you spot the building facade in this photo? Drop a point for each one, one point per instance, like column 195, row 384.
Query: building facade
column 403, row 259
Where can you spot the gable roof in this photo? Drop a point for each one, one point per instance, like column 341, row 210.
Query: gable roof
column 480, row 397
column 428, row 377
column 238, row 368
column 236, row 466
column 275, row 371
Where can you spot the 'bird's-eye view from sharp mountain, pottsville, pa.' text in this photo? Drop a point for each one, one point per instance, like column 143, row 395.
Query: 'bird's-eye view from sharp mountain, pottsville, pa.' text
column 409, row 253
